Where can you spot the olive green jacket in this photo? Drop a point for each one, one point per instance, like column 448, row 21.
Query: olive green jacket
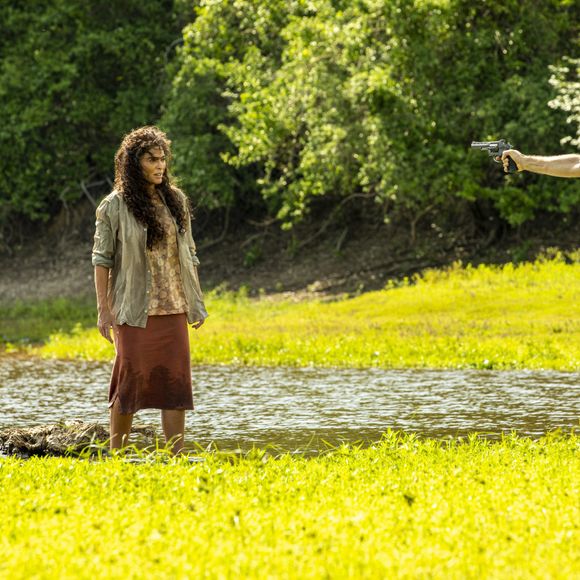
column 121, row 246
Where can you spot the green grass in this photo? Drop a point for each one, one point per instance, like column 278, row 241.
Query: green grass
column 494, row 317
column 32, row 322
column 402, row 508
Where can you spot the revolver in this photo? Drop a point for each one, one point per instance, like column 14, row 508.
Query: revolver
column 495, row 150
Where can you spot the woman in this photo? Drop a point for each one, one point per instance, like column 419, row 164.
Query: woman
column 147, row 287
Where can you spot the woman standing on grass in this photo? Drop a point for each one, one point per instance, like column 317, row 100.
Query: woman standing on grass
column 147, row 287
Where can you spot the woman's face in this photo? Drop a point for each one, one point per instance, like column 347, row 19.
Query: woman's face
column 153, row 165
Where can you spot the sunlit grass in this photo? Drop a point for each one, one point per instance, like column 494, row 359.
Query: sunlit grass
column 495, row 317
column 403, row 508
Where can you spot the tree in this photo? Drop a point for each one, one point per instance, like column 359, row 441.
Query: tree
column 566, row 80
column 374, row 98
column 74, row 77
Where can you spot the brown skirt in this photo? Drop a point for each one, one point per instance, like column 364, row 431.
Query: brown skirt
column 152, row 367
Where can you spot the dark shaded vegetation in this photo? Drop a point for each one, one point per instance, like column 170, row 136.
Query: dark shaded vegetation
column 283, row 110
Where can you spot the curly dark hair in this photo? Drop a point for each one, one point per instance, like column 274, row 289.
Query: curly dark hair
column 132, row 185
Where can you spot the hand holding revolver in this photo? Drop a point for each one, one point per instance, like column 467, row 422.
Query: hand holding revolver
column 499, row 150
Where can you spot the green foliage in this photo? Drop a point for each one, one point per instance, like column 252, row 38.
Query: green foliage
column 206, row 78
column 403, row 507
column 380, row 98
column 26, row 322
column 566, row 80
column 275, row 104
column 74, row 76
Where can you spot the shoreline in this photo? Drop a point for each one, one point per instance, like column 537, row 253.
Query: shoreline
column 150, row 446
column 524, row 316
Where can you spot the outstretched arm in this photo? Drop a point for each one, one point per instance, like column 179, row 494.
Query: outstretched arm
column 556, row 166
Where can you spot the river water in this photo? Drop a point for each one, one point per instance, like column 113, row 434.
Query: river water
column 301, row 408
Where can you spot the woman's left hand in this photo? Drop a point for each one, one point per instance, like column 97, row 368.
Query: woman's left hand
column 197, row 324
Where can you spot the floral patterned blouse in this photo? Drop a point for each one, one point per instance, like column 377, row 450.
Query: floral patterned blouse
column 167, row 295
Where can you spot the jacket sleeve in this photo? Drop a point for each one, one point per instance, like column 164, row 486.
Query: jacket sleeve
column 199, row 307
column 189, row 237
column 104, row 240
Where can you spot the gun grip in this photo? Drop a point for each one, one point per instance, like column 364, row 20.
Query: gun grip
column 512, row 167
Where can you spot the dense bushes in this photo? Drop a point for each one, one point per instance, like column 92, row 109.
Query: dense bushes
column 276, row 103
column 74, row 76
column 378, row 98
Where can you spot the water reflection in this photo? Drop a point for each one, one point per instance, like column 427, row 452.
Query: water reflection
column 295, row 408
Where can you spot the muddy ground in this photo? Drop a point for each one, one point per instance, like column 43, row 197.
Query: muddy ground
column 340, row 258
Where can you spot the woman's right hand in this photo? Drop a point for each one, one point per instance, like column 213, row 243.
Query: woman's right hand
column 106, row 323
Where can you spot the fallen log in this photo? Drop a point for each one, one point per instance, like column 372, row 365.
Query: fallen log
column 64, row 438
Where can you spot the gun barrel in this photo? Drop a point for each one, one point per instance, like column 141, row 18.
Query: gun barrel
column 484, row 144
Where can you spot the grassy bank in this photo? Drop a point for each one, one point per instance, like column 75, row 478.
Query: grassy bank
column 505, row 317
column 24, row 322
column 403, row 508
